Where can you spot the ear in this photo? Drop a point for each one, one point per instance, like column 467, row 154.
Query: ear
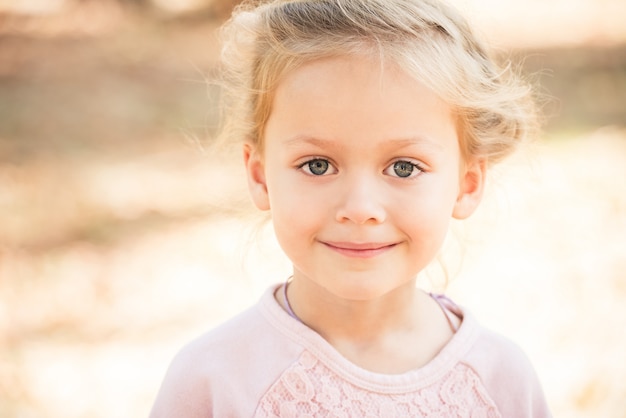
column 472, row 183
column 255, row 170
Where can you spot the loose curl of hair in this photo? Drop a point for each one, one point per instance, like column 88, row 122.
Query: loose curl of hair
column 427, row 39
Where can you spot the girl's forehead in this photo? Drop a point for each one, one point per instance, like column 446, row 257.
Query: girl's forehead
column 336, row 73
column 375, row 64
column 356, row 100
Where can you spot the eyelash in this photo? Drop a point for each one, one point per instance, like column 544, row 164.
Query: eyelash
column 416, row 168
column 306, row 167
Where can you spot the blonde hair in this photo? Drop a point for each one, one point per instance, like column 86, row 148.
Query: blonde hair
column 428, row 39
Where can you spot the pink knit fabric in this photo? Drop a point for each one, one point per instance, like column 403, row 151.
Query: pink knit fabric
column 264, row 363
column 309, row 389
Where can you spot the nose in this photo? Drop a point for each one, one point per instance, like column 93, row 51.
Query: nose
column 360, row 202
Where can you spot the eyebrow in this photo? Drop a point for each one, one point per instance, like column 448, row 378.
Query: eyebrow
column 305, row 139
column 421, row 141
column 396, row 143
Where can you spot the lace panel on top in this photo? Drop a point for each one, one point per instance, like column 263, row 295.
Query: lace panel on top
column 310, row 389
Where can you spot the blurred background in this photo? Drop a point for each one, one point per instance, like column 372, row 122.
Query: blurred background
column 124, row 234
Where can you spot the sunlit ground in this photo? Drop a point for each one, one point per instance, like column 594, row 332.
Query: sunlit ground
column 123, row 235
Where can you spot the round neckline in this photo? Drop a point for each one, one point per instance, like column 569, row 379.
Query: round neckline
column 324, row 352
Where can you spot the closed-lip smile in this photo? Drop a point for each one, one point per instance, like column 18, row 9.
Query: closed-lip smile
column 359, row 250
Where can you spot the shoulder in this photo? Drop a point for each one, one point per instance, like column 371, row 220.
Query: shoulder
column 225, row 370
column 203, row 369
column 498, row 353
column 507, row 374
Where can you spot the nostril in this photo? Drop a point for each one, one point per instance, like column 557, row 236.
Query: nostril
column 361, row 207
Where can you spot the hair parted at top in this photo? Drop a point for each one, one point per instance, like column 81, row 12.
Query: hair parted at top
column 427, row 39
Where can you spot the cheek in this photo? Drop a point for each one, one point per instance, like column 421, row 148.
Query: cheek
column 295, row 225
column 432, row 199
column 424, row 223
column 426, row 213
column 293, row 210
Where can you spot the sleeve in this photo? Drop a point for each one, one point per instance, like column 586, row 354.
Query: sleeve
column 225, row 372
column 185, row 390
column 508, row 376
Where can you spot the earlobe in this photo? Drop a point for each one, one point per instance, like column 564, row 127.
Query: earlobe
column 255, row 170
column 472, row 183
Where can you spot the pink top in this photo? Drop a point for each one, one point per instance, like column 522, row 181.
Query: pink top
column 264, row 363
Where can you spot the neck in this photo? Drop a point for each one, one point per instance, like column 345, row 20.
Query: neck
column 396, row 332
column 365, row 321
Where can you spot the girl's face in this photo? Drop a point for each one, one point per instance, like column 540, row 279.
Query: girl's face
column 362, row 172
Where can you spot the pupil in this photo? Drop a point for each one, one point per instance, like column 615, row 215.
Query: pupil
column 403, row 168
column 318, row 167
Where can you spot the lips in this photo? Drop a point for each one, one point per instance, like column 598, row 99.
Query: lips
column 360, row 250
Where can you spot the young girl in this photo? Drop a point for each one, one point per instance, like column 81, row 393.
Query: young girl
column 366, row 126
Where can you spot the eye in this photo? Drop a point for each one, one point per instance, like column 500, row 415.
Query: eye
column 317, row 167
column 403, row 169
